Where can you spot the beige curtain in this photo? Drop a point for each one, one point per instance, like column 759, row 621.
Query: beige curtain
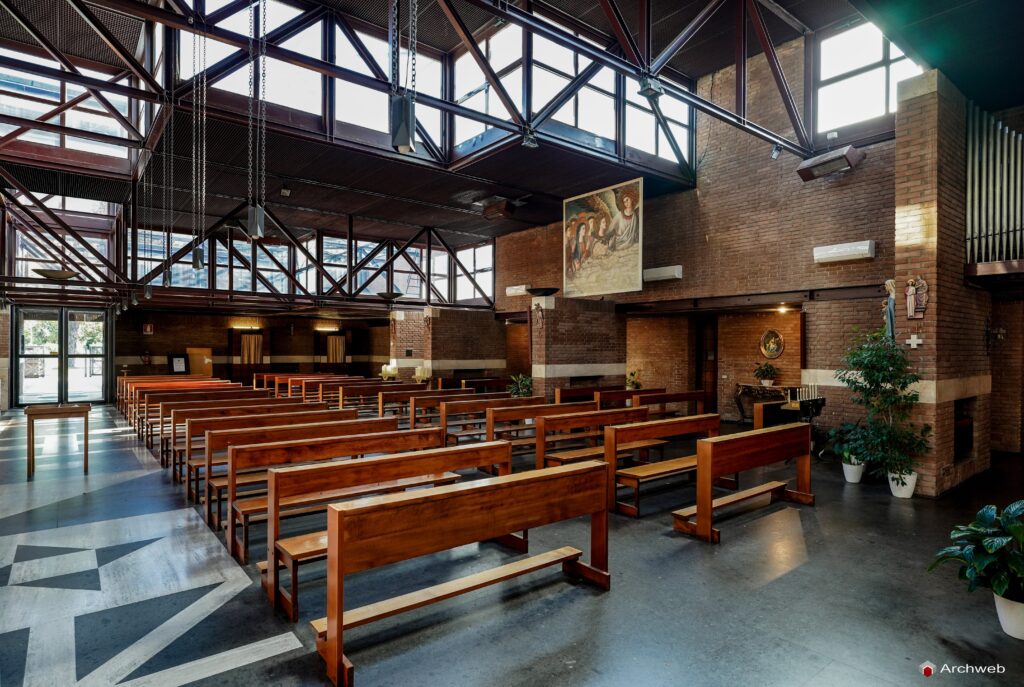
column 252, row 349
column 335, row 348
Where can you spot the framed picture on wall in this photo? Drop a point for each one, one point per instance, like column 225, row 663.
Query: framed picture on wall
column 772, row 344
column 147, row 329
column 179, row 364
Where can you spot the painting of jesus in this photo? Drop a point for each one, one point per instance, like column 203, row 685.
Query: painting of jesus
column 603, row 241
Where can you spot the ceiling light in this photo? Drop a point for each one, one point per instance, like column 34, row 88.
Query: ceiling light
column 783, row 309
column 285, row 191
column 776, row 151
column 403, row 123
column 650, row 87
column 257, row 221
column 147, row 292
column 135, row 298
column 197, row 258
column 838, row 160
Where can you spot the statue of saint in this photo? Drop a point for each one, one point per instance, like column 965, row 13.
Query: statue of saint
column 889, row 309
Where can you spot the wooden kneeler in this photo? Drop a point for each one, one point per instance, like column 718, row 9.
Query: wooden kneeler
column 733, row 453
column 373, row 532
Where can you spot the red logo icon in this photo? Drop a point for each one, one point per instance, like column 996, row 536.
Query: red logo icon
column 927, row 668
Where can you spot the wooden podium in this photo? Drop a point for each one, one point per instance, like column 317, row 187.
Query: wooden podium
column 51, row 412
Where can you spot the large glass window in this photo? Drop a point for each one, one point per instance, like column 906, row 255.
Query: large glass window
column 60, row 355
column 405, row 278
column 335, row 259
column 504, row 53
column 271, row 272
column 479, row 261
column 858, row 70
column 241, row 276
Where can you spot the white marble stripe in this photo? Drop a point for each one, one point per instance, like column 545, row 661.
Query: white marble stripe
column 219, row 663
column 131, row 658
column 50, row 660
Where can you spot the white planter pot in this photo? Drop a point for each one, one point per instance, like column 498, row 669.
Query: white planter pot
column 767, row 382
column 1011, row 616
column 906, row 491
column 853, row 473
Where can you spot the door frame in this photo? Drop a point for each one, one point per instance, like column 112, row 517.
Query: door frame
column 14, row 386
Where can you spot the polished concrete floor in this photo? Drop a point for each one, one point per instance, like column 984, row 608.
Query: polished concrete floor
column 111, row 578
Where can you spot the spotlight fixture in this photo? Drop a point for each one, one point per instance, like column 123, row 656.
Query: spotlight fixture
column 135, row 298
column 783, row 309
column 167, row 278
column 147, row 292
column 257, row 221
column 650, row 87
column 530, row 139
column 776, row 151
column 285, row 191
column 197, row 258
column 403, row 122
column 838, row 160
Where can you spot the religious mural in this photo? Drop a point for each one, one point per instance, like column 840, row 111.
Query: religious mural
column 603, row 241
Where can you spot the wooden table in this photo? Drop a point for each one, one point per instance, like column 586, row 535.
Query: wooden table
column 51, row 412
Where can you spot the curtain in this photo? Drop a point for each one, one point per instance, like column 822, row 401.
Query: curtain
column 252, row 349
column 335, row 348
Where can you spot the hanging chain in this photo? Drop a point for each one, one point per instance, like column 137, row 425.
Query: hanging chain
column 413, row 21
column 195, row 132
column 394, row 49
column 263, row 102
column 252, row 97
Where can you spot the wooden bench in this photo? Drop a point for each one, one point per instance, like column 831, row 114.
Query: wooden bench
column 658, row 403
column 327, row 389
column 349, row 479
column 179, row 412
column 581, row 393
column 503, row 422
column 285, row 385
column 123, row 382
column 486, row 383
column 127, row 388
column 136, row 390
column 145, row 398
column 459, row 413
column 271, row 416
column 554, row 429
column 617, row 398
column 420, row 407
column 618, row 437
column 152, row 419
column 370, row 533
column 365, row 396
column 400, row 399
column 218, row 441
column 733, row 453
column 280, row 453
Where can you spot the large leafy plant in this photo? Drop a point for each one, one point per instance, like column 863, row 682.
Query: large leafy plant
column 847, row 442
column 521, row 386
column 990, row 551
column 877, row 371
column 766, row 371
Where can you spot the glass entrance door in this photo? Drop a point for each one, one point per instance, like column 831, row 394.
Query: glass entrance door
column 61, row 355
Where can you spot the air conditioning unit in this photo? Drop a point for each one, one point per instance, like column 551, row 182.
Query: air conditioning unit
column 663, row 273
column 838, row 160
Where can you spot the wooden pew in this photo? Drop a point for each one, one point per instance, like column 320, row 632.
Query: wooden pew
column 369, row 533
column 285, row 385
column 349, row 479
column 366, row 396
column 253, row 457
column 733, row 453
column 198, row 424
column 135, row 388
column 331, row 390
column 658, row 403
column 426, row 403
column 581, row 393
column 506, row 421
column 555, row 429
column 450, row 411
column 124, row 380
column 140, row 392
column 219, row 441
column 486, row 383
column 617, row 437
column 402, row 397
column 152, row 421
column 179, row 412
column 617, row 398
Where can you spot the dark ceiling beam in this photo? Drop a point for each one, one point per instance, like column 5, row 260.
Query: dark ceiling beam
column 685, row 35
column 236, row 60
column 673, row 143
column 754, row 10
column 786, row 16
column 111, row 41
column 560, row 36
column 644, row 12
column 254, row 271
column 740, row 56
column 621, row 31
column 73, row 76
column 466, row 36
column 33, row 234
column 181, row 8
column 22, row 122
column 69, row 66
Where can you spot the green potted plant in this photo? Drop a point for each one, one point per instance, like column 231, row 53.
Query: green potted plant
column 766, row 373
column 877, row 371
column 990, row 552
column 633, row 380
column 521, row 386
column 846, row 444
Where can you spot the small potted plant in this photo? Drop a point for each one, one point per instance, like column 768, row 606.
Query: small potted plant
column 521, row 386
column 846, row 443
column 633, row 380
column 877, row 371
column 990, row 552
column 766, row 373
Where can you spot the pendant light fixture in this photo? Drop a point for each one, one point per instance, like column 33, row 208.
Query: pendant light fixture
column 403, row 101
column 257, row 121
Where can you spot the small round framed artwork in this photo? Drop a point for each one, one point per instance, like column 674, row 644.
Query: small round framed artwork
column 772, row 344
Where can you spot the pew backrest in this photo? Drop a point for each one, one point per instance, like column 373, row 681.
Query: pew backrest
column 606, row 397
column 532, row 412
column 423, row 403
column 580, row 393
column 596, row 419
column 387, row 397
column 449, row 409
column 731, row 453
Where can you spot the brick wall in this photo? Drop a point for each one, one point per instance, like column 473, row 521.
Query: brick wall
column 517, row 348
column 407, row 344
column 577, row 332
column 739, row 339
column 465, row 340
column 661, row 349
column 1008, row 384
